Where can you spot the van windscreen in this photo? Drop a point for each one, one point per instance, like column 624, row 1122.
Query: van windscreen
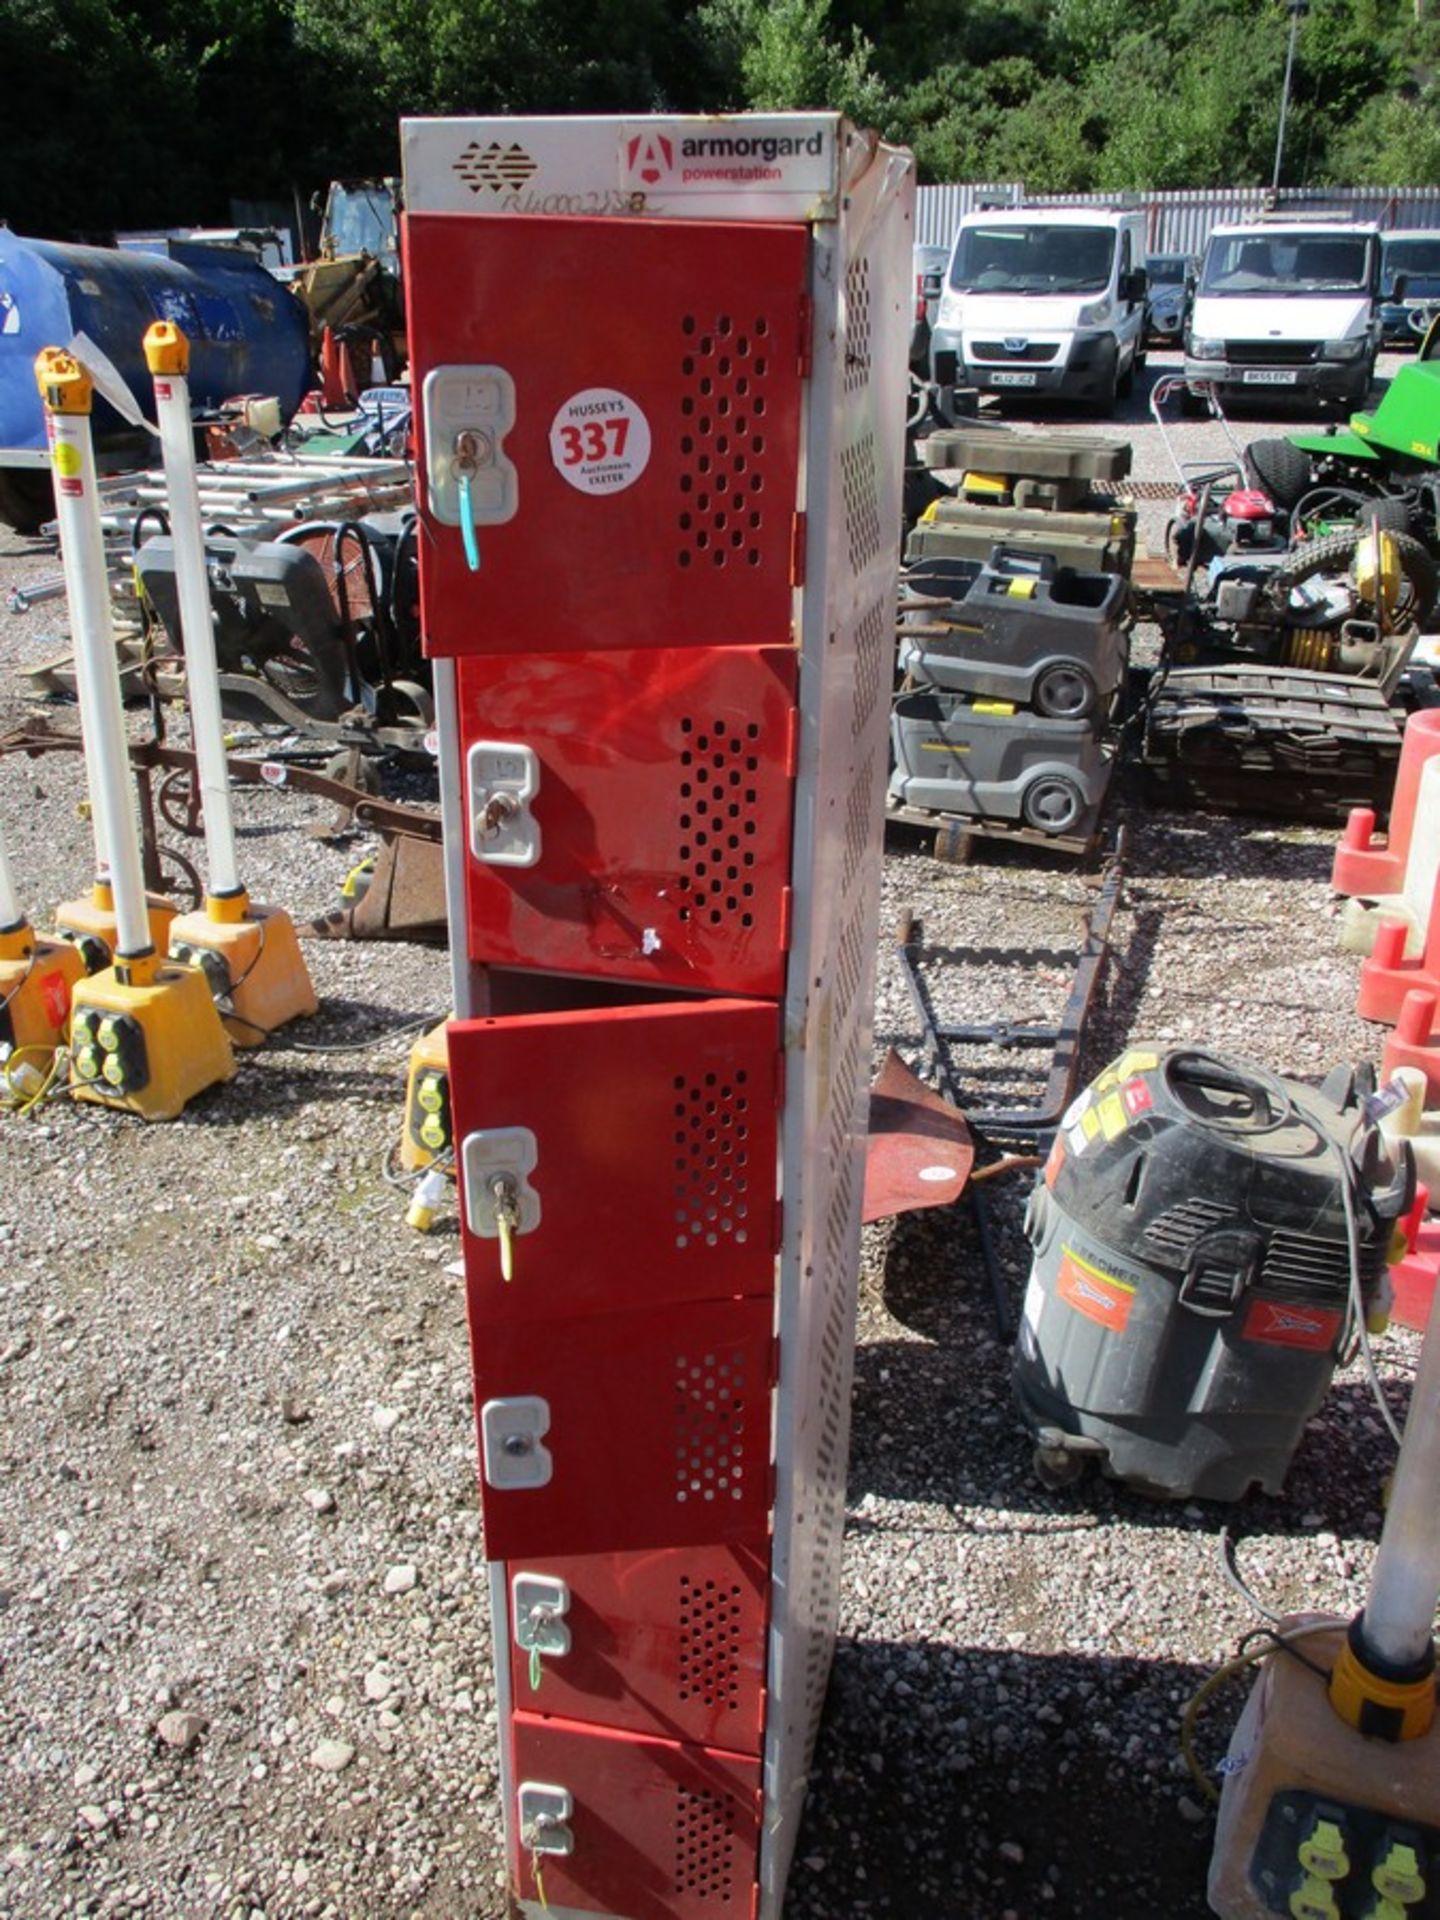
column 1287, row 263
column 1418, row 260
column 1032, row 260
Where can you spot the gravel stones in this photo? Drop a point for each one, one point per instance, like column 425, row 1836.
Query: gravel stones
column 332, row 1756
column 181, row 1731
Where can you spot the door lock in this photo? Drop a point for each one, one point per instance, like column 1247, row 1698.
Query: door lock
column 503, row 779
column 500, row 1202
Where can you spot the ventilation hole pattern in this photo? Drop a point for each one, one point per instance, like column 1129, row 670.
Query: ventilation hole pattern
column 858, row 809
column 820, row 1550
column 860, row 490
column 840, row 1146
column 725, row 364
column 709, row 1428
column 857, row 326
column 873, row 641
column 710, row 1616
column 719, row 805
column 849, row 961
column 712, row 1157
column 704, row 1845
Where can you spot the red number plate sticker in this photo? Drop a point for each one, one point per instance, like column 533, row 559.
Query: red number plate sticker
column 600, row 441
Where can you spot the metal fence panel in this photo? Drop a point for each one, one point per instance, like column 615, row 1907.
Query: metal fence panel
column 1180, row 222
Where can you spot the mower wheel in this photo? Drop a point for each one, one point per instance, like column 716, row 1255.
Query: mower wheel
column 1279, row 468
column 1336, row 554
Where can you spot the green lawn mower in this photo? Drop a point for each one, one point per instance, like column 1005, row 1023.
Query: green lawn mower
column 1384, row 466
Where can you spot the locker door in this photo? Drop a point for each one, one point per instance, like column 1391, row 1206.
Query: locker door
column 669, row 1643
column 640, row 1147
column 644, row 383
column 657, row 1830
column 621, row 1432
column 657, row 842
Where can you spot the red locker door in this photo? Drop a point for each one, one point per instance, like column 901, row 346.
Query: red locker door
column 670, row 1643
column 625, row 1431
column 661, row 813
column 650, row 1138
column 658, row 1831
column 656, row 369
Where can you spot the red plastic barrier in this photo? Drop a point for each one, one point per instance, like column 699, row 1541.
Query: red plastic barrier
column 1414, row 1276
column 1415, row 1043
column 1387, row 976
column 1362, row 867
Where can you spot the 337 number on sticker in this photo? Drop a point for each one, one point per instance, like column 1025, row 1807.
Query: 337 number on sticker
column 595, row 440
column 600, row 441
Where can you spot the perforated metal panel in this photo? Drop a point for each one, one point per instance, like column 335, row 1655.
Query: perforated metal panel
column 690, row 1815
column 669, row 1643
column 853, row 506
column 664, row 804
column 701, row 330
column 728, row 365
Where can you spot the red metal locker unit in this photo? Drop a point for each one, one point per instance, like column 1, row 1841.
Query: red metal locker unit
column 661, row 368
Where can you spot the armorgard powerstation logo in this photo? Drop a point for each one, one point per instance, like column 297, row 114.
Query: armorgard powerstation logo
column 720, row 159
column 501, row 169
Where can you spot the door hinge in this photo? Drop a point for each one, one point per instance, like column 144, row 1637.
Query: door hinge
column 797, row 551
column 787, row 902
column 792, row 743
column 807, row 329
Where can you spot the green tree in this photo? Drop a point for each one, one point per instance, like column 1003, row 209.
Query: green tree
column 777, row 55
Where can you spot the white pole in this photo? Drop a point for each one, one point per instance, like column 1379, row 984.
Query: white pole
column 197, row 631
column 1400, row 1610
column 87, row 585
column 99, row 825
column 10, row 915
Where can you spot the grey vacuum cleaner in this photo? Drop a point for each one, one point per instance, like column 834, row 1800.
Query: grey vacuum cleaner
column 1205, row 1234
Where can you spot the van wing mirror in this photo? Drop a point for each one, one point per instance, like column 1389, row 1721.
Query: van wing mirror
column 1399, row 286
column 1133, row 285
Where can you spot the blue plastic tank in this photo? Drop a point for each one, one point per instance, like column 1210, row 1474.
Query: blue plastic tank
column 247, row 333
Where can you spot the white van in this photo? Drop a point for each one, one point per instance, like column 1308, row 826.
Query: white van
column 1046, row 300
column 1287, row 305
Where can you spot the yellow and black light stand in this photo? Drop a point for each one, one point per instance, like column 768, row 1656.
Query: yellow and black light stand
column 37, row 978
column 144, row 1033
column 427, row 1136
column 88, row 921
column 1331, row 1802
column 249, row 953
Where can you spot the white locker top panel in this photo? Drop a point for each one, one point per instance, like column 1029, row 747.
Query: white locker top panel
column 782, row 166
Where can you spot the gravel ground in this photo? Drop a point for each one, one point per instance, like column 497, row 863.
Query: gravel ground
column 241, row 1576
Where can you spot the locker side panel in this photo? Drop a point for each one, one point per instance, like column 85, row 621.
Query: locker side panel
column 854, row 469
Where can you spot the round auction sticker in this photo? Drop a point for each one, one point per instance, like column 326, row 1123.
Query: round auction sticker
column 600, row 441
